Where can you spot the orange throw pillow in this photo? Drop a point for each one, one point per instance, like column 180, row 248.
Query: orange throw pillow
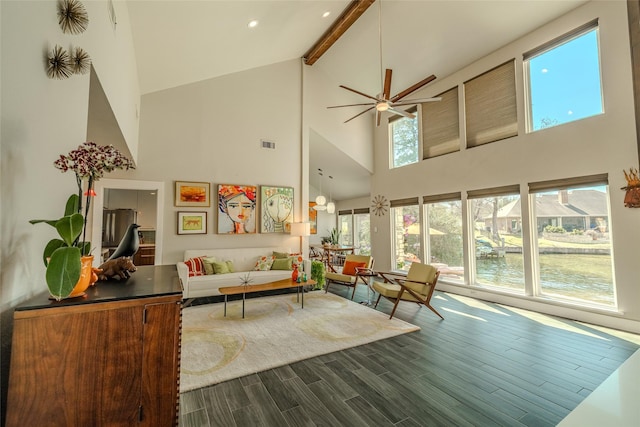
column 350, row 267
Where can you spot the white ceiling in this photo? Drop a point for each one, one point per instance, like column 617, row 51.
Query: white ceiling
column 179, row 42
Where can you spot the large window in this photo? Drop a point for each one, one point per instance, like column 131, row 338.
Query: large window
column 574, row 239
column 497, row 233
column 362, row 231
column 345, row 225
column 444, row 249
column 406, row 233
column 564, row 79
column 404, row 141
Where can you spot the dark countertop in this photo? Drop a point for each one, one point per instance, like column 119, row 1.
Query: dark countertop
column 148, row 281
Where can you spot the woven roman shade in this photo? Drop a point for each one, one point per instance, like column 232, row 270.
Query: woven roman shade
column 494, row 192
column 403, row 202
column 577, row 32
column 559, row 184
column 448, row 197
column 490, row 105
column 361, row 211
column 441, row 125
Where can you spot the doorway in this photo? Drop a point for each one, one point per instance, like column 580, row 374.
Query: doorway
column 104, row 187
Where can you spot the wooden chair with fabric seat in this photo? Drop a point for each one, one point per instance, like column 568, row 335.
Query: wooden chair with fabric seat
column 347, row 276
column 417, row 286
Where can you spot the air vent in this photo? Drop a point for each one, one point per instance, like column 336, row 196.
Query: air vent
column 268, row 144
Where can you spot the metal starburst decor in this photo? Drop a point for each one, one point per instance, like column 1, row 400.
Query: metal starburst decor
column 80, row 61
column 379, row 205
column 72, row 16
column 246, row 279
column 58, row 64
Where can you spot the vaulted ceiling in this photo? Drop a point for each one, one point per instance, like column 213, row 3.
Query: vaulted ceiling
column 180, row 42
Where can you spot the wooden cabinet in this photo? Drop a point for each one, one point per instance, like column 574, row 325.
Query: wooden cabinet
column 146, row 255
column 108, row 359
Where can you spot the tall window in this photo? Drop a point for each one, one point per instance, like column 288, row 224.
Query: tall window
column 497, row 233
column 573, row 239
column 362, row 231
column 406, row 233
column 404, row 141
column 345, row 223
column 564, row 79
column 443, row 215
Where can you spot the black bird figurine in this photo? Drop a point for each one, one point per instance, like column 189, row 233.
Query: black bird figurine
column 129, row 244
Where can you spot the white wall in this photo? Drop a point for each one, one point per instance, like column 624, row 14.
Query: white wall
column 44, row 118
column 211, row 131
column 602, row 144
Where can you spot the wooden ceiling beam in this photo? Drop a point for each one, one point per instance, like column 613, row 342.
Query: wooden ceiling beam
column 350, row 15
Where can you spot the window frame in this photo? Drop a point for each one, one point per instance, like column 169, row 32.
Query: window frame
column 546, row 47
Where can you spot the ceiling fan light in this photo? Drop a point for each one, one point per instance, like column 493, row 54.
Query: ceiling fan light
column 382, row 106
column 331, row 207
column 321, row 200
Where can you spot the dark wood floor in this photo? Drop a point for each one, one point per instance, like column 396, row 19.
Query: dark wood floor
column 484, row 365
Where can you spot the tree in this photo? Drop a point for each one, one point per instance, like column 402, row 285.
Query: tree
column 405, row 141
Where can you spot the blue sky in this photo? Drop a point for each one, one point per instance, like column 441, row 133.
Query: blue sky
column 565, row 82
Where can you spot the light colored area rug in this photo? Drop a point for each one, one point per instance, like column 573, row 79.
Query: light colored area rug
column 274, row 332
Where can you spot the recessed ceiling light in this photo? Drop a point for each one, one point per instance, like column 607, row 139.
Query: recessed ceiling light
column 253, row 24
column 327, row 13
column 544, row 71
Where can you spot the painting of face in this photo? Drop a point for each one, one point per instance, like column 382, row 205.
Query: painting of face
column 277, row 209
column 236, row 209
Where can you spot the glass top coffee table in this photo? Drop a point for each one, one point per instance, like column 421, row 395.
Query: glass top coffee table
column 278, row 284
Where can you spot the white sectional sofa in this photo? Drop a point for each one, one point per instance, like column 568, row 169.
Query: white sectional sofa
column 244, row 261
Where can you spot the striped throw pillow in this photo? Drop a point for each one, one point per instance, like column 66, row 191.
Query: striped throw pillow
column 195, row 266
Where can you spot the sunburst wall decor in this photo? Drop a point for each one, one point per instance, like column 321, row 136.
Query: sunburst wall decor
column 80, row 61
column 379, row 205
column 58, row 64
column 72, row 16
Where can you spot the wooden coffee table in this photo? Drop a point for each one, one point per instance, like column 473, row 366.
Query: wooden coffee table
column 278, row 284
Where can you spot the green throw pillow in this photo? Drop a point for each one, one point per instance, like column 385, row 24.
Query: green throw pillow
column 281, row 264
column 230, row 266
column 208, row 265
column 279, row 255
column 220, row 267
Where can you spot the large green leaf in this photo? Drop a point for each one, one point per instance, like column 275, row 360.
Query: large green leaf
column 51, row 222
column 70, row 227
column 50, row 248
column 63, row 271
column 72, row 205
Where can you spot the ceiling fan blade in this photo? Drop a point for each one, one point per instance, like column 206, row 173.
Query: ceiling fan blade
column 416, row 101
column 413, row 88
column 386, row 92
column 359, row 93
column 402, row 113
column 359, row 114
column 353, row 105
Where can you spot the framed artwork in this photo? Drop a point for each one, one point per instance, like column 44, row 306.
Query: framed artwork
column 194, row 194
column 236, row 209
column 276, row 209
column 192, row 223
column 313, row 218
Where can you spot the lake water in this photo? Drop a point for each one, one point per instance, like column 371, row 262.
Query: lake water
column 585, row 277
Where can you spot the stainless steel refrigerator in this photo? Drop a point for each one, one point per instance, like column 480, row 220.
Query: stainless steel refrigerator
column 114, row 225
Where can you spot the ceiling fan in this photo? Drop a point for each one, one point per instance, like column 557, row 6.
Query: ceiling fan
column 386, row 102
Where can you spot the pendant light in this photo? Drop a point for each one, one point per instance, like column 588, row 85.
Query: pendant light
column 320, row 200
column 331, row 207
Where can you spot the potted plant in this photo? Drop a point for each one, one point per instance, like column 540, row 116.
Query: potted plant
column 318, row 273
column 65, row 256
column 334, row 237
